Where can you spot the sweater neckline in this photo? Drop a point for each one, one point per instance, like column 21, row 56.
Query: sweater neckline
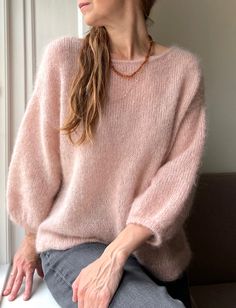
column 150, row 59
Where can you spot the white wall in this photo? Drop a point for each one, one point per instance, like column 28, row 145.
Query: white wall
column 54, row 18
column 209, row 29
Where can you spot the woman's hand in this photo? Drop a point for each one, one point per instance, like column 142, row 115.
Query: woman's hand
column 25, row 261
column 97, row 282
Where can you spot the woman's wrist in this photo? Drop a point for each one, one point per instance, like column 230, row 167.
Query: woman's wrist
column 129, row 239
column 30, row 237
column 116, row 254
column 30, row 233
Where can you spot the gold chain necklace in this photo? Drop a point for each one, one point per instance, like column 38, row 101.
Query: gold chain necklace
column 145, row 60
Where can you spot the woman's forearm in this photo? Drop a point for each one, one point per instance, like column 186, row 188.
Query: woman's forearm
column 29, row 234
column 29, row 240
column 128, row 240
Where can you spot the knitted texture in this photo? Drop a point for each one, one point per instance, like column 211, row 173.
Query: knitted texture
column 142, row 167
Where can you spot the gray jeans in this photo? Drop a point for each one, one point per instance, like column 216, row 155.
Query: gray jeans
column 137, row 287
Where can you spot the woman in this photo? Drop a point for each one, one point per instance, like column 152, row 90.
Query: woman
column 104, row 203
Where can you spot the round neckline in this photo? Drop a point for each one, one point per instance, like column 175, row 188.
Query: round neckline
column 150, row 59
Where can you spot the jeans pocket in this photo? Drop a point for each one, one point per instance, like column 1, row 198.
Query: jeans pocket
column 49, row 258
column 49, row 254
column 45, row 261
column 43, row 254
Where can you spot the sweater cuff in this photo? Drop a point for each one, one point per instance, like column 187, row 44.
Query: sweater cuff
column 154, row 239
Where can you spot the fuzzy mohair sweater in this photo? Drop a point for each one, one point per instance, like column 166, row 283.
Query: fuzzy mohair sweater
column 142, row 167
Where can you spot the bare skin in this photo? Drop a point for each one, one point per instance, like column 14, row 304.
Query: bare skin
column 157, row 49
column 25, row 262
column 97, row 282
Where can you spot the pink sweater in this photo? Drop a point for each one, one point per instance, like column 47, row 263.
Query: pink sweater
column 142, row 167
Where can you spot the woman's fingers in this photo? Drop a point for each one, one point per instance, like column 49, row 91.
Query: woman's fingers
column 24, row 263
column 10, row 282
column 15, row 282
column 75, row 287
column 16, row 285
column 28, row 284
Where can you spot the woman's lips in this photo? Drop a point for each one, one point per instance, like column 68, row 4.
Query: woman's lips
column 84, row 5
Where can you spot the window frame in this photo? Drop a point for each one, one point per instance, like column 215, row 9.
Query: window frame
column 5, row 232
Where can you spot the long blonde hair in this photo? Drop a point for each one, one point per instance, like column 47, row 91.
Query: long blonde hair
column 88, row 88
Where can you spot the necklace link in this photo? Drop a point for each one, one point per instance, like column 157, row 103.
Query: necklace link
column 142, row 64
